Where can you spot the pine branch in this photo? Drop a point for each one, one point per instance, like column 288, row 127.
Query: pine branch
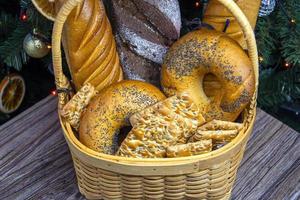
column 7, row 24
column 267, row 42
column 288, row 31
column 278, row 40
column 271, row 91
column 11, row 50
column 13, row 33
column 277, row 87
column 38, row 21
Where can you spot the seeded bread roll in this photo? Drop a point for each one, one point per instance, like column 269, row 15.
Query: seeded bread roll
column 110, row 110
column 145, row 29
column 221, row 125
column 221, row 132
column 217, row 135
column 72, row 111
column 164, row 124
column 203, row 52
column 179, row 108
column 190, row 149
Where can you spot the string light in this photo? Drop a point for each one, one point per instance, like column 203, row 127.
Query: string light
column 287, row 65
column 260, row 58
column 197, row 4
column 49, row 46
column 293, row 21
column 23, row 14
column 53, row 92
column 24, row 17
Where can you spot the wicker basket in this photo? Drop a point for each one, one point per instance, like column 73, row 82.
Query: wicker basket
column 207, row 176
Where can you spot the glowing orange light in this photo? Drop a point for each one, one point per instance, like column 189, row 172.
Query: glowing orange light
column 24, row 17
column 49, row 46
column 53, row 92
column 197, row 4
column 287, row 65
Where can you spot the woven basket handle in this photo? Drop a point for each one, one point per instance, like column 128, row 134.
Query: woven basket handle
column 247, row 31
column 61, row 81
column 251, row 44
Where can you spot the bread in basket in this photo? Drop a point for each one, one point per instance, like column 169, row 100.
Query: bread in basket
column 206, row 176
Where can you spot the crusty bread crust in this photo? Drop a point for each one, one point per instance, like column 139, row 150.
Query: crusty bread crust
column 210, row 52
column 110, row 110
column 167, row 123
column 189, row 149
column 89, row 46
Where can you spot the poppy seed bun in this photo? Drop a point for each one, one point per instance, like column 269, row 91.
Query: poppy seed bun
column 205, row 52
column 110, row 110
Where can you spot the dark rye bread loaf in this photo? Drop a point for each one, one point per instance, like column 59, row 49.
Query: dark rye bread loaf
column 136, row 67
column 144, row 31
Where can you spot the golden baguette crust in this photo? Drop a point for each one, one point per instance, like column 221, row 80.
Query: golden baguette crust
column 169, row 122
column 204, row 52
column 89, row 45
column 110, row 110
column 190, row 149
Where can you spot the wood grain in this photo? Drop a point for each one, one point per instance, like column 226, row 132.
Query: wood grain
column 35, row 162
column 271, row 166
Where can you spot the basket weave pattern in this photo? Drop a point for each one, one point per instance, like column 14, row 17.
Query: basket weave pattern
column 211, row 183
column 206, row 176
column 214, row 182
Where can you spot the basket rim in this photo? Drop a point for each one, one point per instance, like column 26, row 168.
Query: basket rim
column 229, row 148
column 153, row 166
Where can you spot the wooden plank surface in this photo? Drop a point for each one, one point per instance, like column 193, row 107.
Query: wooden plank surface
column 35, row 162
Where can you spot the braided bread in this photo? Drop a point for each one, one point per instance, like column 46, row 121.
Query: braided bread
column 90, row 46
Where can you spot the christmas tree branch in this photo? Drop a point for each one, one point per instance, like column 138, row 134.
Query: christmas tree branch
column 11, row 50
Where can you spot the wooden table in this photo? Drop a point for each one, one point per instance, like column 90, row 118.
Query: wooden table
column 35, row 162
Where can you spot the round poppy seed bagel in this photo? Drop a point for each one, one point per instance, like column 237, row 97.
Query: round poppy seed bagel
column 110, row 110
column 204, row 52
